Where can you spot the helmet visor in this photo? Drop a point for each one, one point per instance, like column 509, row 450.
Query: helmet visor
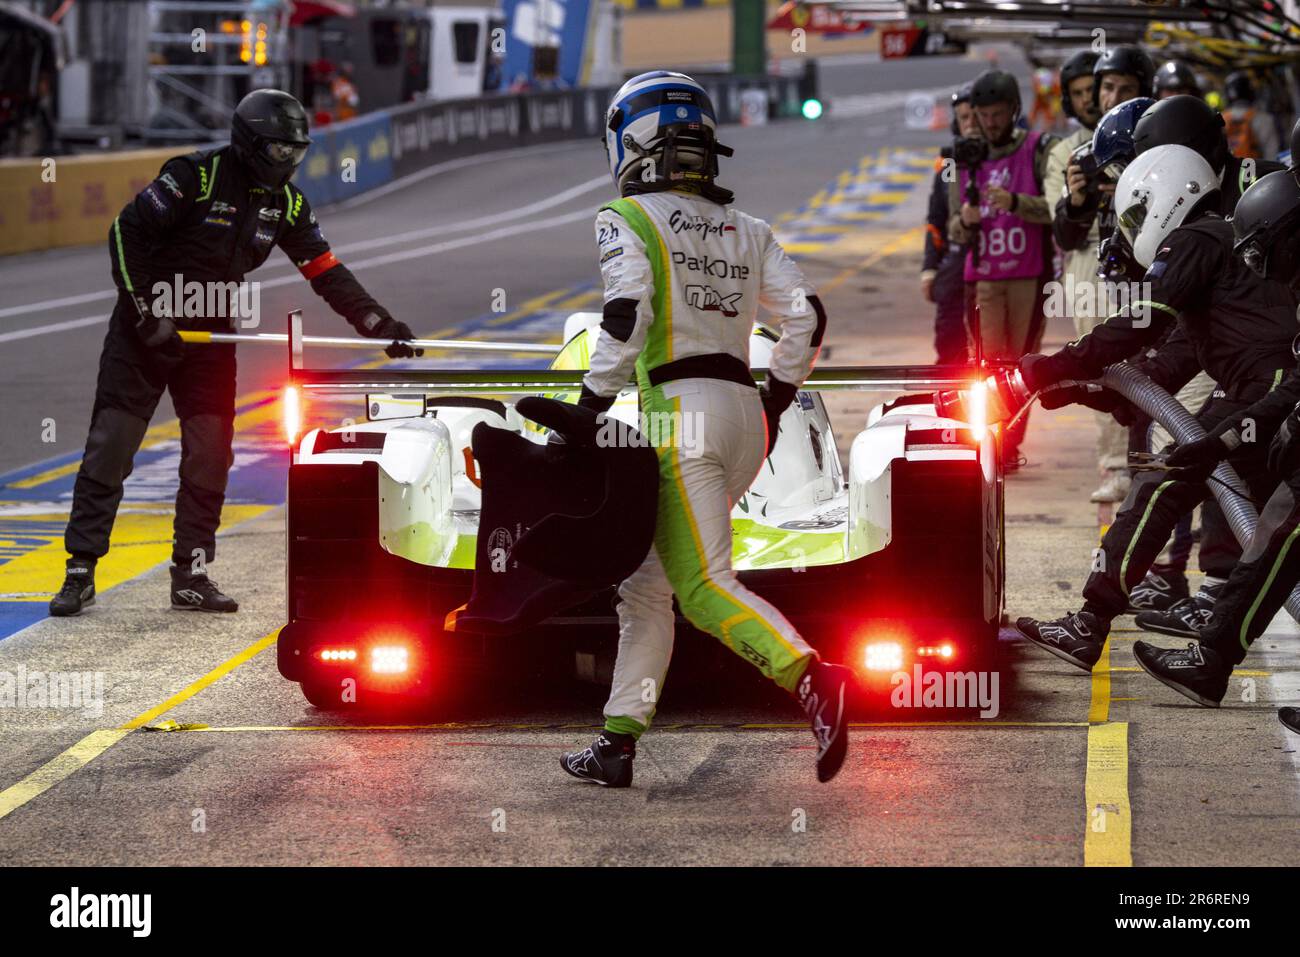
column 1133, row 217
column 279, row 152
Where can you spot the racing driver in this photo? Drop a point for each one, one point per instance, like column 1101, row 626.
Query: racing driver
column 210, row 217
column 684, row 276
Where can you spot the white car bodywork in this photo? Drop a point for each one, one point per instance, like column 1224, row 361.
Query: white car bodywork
column 802, row 509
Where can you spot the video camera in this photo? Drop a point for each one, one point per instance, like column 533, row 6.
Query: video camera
column 970, row 151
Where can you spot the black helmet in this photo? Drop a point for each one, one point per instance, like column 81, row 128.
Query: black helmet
column 960, row 95
column 1237, row 88
column 269, row 136
column 1129, row 60
column 1079, row 64
column 1184, row 121
column 1175, row 77
column 995, row 86
column 1266, row 225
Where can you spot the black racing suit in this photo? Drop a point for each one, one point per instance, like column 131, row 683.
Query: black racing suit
column 945, row 261
column 202, row 220
column 1270, row 564
column 1235, row 326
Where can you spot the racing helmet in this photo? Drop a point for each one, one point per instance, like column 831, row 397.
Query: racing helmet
column 996, row 86
column 960, row 95
column 660, row 134
column 1112, row 142
column 1237, row 88
column 1174, row 78
column 1157, row 192
column 1126, row 59
column 269, row 136
column 1266, row 227
column 1184, row 121
column 1079, row 64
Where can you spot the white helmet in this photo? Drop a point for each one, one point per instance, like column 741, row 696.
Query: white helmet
column 1156, row 192
column 660, row 134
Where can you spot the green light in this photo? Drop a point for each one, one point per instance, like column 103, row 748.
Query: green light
column 812, row 108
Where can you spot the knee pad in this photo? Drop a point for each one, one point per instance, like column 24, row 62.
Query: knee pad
column 114, row 438
column 206, row 451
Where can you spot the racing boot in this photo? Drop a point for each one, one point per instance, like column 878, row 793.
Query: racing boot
column 607, row 760
column 78, row 589
column 1185, row 618
column 1290, row 718
column 1196, row 672
column 192, row 592
column 1159, row 591
column 823, row 693
column 1077, row 638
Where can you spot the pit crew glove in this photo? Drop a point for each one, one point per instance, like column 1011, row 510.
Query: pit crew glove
column 1198, row 459
column 1035, row 379
column 776, row 396
column 157, row 332
column 1284, row 450
column 375, row 326
column 1092, row 395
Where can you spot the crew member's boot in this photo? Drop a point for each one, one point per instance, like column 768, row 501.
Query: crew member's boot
column 78, row 589
column 191, row 592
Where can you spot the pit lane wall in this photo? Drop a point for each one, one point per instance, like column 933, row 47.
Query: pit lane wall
column 50, row 202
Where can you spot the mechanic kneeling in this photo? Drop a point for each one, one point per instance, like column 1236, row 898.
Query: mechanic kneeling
column 209, row 217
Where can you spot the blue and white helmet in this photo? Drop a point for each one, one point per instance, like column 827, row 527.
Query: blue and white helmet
column 660, row 134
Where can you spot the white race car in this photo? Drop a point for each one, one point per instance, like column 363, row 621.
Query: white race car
column 893, row 561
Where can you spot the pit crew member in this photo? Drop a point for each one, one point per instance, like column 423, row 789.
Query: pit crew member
column 1232, row 323
column 209, row 218
column 1267, row 230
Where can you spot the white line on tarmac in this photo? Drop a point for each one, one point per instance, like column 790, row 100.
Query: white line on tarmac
column 433, row 249
column 52, row 328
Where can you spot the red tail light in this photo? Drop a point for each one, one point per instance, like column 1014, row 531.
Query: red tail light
column 291, row 411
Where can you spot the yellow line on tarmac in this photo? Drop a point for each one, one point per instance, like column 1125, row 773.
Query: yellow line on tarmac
column 1108, row 837
column 516, row 726
column 52, row 772
column 908, row 235
column 97, row 742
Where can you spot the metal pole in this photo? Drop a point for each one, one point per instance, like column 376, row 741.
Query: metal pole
column 354, row 342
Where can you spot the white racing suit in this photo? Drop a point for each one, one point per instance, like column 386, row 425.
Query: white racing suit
column 684, row 278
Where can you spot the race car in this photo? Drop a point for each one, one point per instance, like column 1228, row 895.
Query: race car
column 894, row 561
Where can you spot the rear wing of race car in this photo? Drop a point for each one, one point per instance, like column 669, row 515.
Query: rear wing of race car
column 898, row 378
column 333, row 382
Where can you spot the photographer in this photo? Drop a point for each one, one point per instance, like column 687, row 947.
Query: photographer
column 1002, row 215
column 942, row 282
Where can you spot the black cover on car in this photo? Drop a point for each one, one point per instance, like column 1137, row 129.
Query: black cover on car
column 558, row 521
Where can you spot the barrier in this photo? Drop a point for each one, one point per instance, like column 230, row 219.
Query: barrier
column 346, row 159
column 70, row 200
